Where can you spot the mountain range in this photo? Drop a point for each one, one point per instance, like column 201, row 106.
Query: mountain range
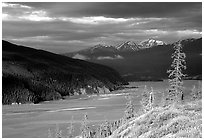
column 126, row 46
column 147, row 60
column 30, row 75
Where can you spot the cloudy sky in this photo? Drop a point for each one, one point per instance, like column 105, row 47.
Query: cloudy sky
column 65, row 27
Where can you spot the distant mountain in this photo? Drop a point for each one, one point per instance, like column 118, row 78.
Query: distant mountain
column 151, row 43
column 101, row 47
column 128, row 46
column 101, row 51
column 148, row 60
column 31, row 75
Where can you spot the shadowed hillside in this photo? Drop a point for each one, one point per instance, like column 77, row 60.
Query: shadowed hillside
column 31, row 75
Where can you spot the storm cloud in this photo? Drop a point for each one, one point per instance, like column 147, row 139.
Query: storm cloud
column 65, row 27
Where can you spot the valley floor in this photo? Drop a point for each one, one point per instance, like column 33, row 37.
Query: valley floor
column 34, row 120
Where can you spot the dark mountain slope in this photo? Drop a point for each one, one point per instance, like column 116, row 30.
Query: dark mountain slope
column 31, row 75
column 152, row 63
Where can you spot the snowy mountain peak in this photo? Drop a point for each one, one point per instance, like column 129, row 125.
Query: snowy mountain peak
column 128, row 45
column 131, row 43
column 151, row 43
column 101, row 46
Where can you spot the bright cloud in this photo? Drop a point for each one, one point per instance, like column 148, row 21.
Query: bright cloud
column 14, row 5
column 184, row 32
column 95, row 20
column 155, row 31
column 28, row 13
column 22, row 12
column 36, row 16
column 36, row 38
column 109, row 57
column 79, row 56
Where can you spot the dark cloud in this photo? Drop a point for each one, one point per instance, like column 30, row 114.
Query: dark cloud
column 121, row 9
column 61, row 27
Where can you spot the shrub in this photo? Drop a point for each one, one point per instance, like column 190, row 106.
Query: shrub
column 164, row 99
column 196, row 93
column 105, row 130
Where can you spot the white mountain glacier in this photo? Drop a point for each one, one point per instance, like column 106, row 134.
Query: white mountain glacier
column 151, row 43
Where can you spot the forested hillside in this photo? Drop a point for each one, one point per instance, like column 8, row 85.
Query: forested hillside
column 30, row 75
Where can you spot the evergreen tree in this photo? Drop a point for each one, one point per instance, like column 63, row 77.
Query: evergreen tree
column 200, row 89
column 193, row 93
column 163, row 99
column 58, row 132
column 145, row 99
column 71, row 129
column 49, row 133
column 129, row 112
column 175, row 74
column 84, row 127
column 151, row 99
